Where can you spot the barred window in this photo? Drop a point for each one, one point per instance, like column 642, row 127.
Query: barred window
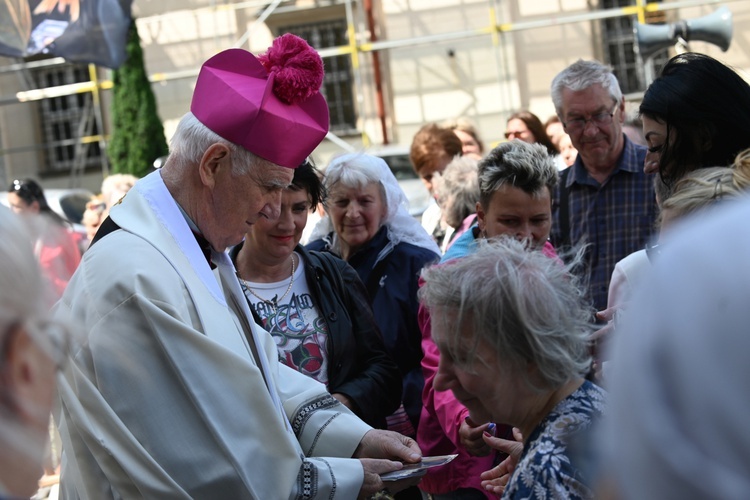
column 65, row 120
column 338, row 83
column 619, row 43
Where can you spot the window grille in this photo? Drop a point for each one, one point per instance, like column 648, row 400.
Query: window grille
column 338, row 86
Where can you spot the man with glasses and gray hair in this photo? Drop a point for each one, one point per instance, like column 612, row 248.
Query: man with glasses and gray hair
column 604, row 200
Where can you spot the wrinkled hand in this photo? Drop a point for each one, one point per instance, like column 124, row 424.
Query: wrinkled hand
column 46, row 6
column 390, row 445
column 372, row 483
column 495, row 479
column 394, row 448
column 471, row 437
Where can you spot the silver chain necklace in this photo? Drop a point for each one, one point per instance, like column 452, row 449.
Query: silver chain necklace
column 272, row 302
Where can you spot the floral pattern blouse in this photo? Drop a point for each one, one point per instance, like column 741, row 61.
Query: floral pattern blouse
column 546, row 469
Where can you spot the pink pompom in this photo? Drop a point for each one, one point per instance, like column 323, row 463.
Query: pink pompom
column 297, row 68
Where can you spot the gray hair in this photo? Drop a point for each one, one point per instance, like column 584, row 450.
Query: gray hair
column 528, row 167
column 459, row 190
column 581, row 75
column 526, row 306
column 22, row 287
column 357, row 170
column 191, row 140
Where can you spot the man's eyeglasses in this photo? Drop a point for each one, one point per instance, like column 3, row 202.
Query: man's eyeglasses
column 599, row 119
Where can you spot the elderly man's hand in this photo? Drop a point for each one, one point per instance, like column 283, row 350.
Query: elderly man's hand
column 388, row 444
column 372, row 483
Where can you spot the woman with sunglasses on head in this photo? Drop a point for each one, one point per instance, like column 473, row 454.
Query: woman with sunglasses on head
column 316, row 308
column 56, row 246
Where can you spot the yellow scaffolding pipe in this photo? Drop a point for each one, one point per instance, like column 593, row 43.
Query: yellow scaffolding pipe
column 354, row 48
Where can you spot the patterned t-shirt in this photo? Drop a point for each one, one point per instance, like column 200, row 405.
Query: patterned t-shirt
column 547, row 469
column 295, row 324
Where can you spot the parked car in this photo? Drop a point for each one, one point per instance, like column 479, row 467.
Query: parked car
column 397, row 158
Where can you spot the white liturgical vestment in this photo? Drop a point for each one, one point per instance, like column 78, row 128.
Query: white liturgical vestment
column 166, row 394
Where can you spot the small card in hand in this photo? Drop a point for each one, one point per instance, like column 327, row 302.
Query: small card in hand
column 418, row 469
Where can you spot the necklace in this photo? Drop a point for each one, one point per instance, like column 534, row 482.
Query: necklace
column 272, row 302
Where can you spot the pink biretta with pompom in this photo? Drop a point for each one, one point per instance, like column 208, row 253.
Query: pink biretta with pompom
column 270, row 105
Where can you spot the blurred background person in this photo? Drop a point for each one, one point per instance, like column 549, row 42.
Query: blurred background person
column 368, row 225
column 512, row 329
column 696, row 114
column 458, row 197
column 527, row 127
column 695, row 192
column 432, row 149
column 115, row 186
column 555, row 130
column 516, row 181
column 466, row 131
column 93, row 216
column 676, row 426
column 56, row 247
column 31, row 354
column 318, row 314
column 568, row 152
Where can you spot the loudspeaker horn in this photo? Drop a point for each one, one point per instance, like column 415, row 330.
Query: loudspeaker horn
column 715, row 28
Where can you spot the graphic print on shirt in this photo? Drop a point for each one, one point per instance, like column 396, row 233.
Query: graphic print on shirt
column 300, row 334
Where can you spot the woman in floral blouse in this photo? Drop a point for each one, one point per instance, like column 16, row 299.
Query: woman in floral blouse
column 512, row 330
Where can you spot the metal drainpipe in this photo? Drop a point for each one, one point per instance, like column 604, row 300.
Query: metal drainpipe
column 380, row 103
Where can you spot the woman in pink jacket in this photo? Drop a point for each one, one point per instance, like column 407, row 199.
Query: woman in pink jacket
column 516, row 181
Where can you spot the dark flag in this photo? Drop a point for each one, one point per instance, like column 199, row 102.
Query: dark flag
column 86, row 31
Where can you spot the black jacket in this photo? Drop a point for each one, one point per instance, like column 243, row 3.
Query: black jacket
column 358, row 365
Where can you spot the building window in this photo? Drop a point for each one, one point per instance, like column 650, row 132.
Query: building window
column 619, row 47
column 338, row 83
column 65, row 120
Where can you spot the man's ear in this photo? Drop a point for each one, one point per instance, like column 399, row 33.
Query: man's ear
column 215, row 158
column 622, row 111
column 480, row 216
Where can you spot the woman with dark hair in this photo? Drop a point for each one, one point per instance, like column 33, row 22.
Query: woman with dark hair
column 696, row 114
column 56, row 246
column 316, row 308
column 526, row 126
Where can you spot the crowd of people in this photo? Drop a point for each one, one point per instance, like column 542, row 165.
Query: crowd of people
column 565, row 320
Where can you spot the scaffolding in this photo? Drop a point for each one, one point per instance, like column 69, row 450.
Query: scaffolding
column 360, row 43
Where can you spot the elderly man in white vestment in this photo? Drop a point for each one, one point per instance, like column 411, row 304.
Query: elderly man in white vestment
column 174, row 392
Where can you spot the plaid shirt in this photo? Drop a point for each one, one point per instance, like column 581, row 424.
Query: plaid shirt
column 614, row 219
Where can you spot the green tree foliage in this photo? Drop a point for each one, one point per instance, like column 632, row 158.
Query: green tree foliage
column 138, row 134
